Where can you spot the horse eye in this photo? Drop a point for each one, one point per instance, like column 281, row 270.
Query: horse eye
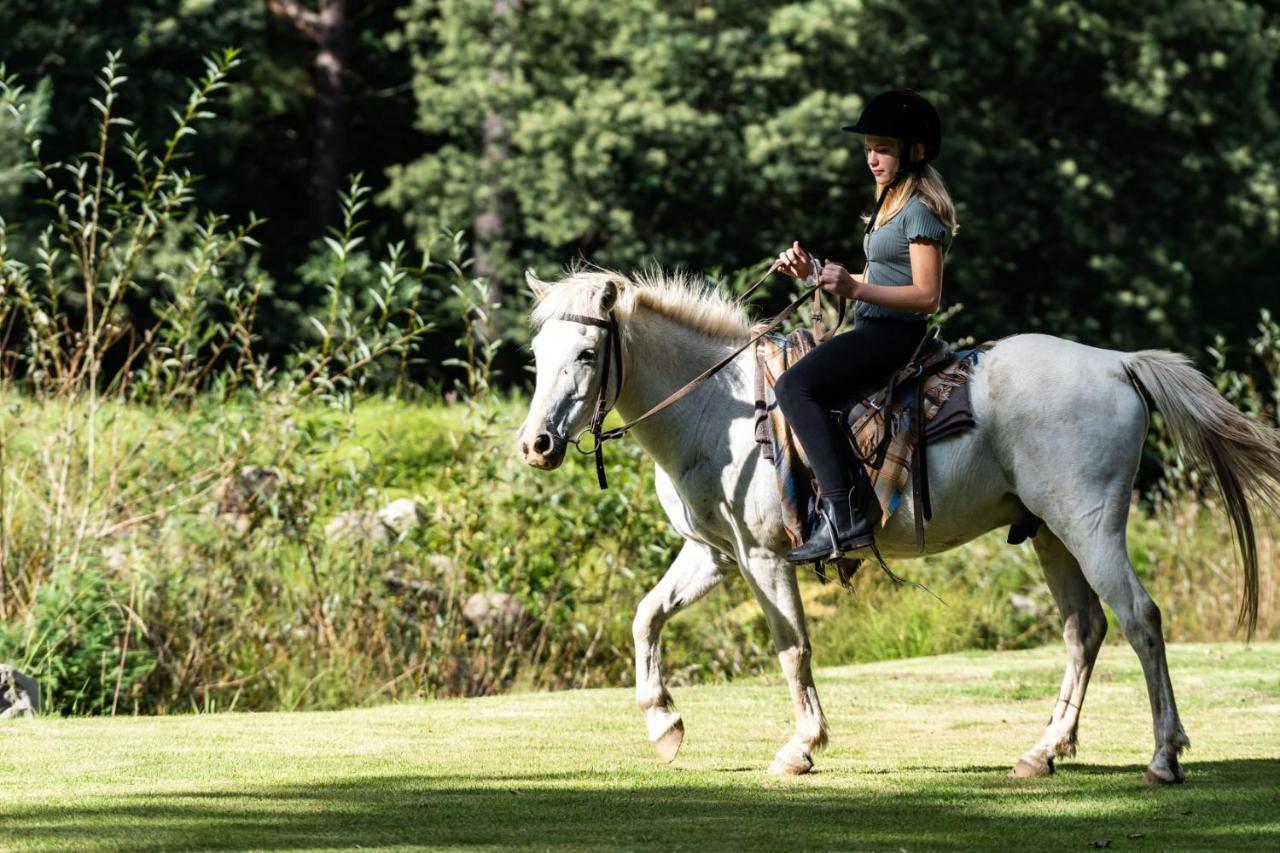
column 587, row 355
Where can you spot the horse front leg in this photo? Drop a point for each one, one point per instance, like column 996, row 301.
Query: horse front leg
column 695, row 572
column 774, row 582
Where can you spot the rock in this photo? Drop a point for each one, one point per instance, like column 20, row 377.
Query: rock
column 446, row 571
column 494, row 611
column 397, row 517
column 402, row 515
column 1024, row 605
column 405, row 583
column 248, row 490
column 239, row 523
column 403, row 576
column 358, row 524
column 19, row 694
column 239, row 500
column 116, row 558
column 440, row 575
column 1036, row 604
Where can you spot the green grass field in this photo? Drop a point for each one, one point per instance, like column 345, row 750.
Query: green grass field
column 918, row 757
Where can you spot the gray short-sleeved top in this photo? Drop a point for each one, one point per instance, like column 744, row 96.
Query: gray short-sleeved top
column 888, row 251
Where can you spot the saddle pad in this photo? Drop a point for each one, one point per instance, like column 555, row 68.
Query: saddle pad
column 867, row 424
column 946, row 412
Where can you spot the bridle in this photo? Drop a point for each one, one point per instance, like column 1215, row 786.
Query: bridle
column 613, row 352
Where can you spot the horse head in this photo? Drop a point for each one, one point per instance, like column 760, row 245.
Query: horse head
column 571, row 358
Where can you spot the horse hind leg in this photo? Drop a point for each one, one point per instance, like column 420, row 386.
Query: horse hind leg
column 695, row 572
column 1084, row 626
column 1105, row 563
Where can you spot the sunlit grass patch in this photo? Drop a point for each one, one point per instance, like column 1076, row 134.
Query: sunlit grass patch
column 908, row 768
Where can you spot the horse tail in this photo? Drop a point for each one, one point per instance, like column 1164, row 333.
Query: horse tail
column 1243, row 455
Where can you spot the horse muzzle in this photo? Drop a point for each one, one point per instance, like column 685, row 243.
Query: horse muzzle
column 544, row 450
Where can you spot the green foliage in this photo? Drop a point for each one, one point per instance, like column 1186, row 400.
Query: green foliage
column 1120, row 185
column 255, row 160
column 990, row 595
column 153, row 354
column 115, row 431
column 1254, row 389
column 479, row 347
column 15, row 125
column 1111, row 194
column 263, row 609
column 81, row 637
column 114, row 239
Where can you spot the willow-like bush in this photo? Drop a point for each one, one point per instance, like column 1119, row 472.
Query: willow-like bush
column 132, row 383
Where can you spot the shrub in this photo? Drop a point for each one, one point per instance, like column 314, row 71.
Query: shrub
column 84, row 643
column 134, row 386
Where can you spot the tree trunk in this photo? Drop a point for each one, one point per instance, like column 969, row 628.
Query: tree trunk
column 326, row 27
column 493, row 199
column 329, row 155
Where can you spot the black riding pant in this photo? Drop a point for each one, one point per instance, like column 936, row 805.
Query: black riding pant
column 831, row 377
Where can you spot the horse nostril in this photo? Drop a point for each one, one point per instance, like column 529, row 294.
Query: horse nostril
column 542, row 443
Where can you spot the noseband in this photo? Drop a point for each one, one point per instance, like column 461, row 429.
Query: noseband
column 613, row 352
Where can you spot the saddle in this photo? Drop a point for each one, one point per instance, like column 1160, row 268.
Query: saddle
column 889, row 430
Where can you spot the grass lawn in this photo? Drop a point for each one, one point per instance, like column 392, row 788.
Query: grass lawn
column 918, row 757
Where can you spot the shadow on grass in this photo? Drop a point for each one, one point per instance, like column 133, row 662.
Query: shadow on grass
column 1227, row 804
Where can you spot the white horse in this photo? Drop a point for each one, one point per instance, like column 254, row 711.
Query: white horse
column 1059, row 430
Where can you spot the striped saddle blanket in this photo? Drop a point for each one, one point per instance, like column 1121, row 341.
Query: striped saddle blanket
column 946, row 412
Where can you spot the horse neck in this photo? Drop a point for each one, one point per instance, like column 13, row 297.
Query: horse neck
column 660, row 357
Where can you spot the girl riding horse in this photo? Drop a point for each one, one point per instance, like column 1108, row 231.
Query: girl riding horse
column 906, row 239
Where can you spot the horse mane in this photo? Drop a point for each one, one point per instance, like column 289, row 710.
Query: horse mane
column 679, row 296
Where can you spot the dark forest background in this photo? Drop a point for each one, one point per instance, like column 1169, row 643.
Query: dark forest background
column 1116, row 164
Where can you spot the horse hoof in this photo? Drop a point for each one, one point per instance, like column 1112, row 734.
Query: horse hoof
column 1030, row 770
column 669, row 743
column 792, row 765
column 1157, row 778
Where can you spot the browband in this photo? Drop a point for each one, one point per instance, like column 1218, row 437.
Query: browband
column 579, row 318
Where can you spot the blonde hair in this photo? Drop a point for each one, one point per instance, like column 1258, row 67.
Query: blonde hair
column 927, row 184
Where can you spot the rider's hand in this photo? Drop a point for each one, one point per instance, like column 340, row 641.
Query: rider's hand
column 835, row 279
column 795, row 262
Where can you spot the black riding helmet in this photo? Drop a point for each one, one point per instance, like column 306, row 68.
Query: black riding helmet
column 902, row 114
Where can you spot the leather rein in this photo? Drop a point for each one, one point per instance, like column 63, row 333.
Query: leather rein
column 613, row 352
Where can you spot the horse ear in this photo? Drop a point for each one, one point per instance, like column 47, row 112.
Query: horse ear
column 609, row 295
column 537, row 285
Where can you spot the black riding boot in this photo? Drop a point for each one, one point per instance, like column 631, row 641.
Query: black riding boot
column 842, row 527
